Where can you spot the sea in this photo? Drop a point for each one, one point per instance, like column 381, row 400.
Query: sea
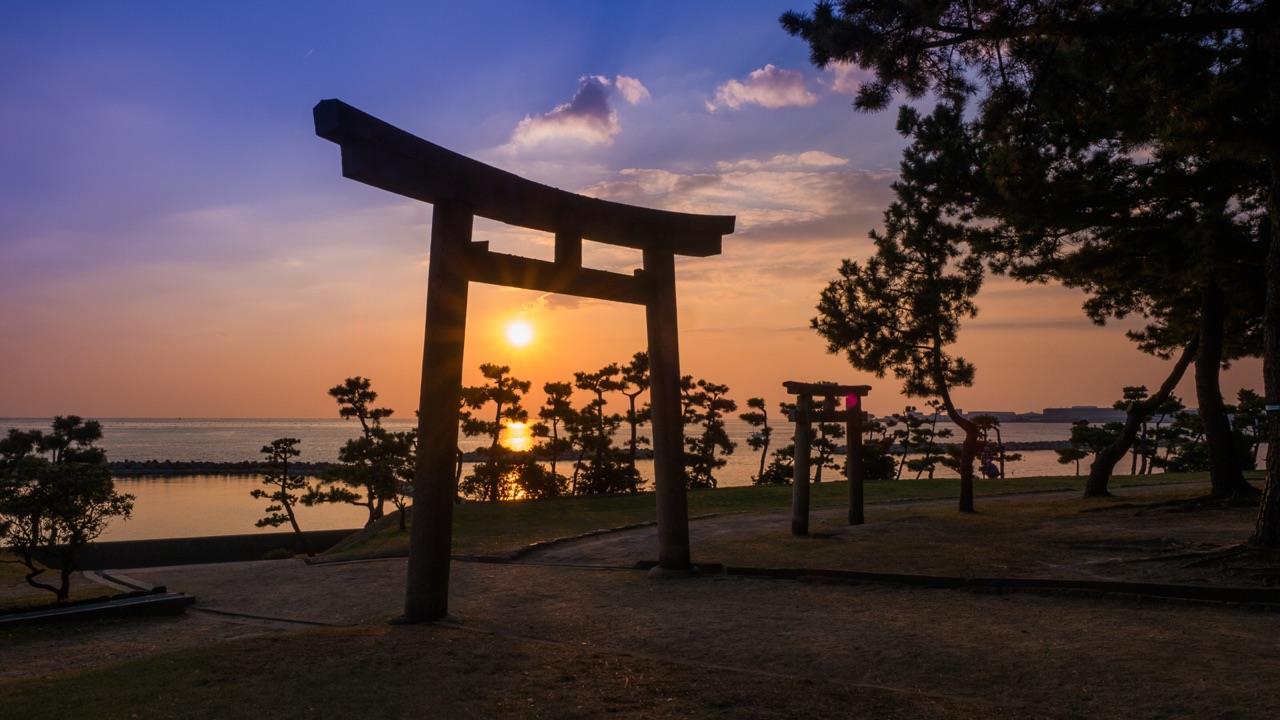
column 199, row 505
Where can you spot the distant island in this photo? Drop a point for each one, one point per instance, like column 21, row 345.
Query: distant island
column 1090, row 413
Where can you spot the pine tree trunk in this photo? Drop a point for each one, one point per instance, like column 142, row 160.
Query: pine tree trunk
column 1225, row 475
column 1104, row 462
column 555, row 446
column 631, row 417
column 64, row 586
column 968, row 448
column 1000, row 449
column 293, row 520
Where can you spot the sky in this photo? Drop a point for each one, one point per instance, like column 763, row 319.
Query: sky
column 176, row 242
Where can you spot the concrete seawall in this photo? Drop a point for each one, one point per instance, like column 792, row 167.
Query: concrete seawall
column 195, row 550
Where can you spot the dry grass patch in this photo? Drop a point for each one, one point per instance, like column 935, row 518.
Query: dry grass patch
column 1023, row 537
column 442, row 672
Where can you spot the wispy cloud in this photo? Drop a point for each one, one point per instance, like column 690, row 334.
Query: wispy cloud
column 785, row 197
column 769, row 86
column 809, row 159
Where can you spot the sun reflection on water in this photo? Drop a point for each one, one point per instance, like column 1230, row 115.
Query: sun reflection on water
column 517, row 436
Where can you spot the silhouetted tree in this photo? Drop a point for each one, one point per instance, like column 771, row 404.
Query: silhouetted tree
column 556, row 411
column 491, row 478
column 1250, row 422
column 1185, row 446
column 758, row 417
column 56, row 496
column 1068, row 455
column 286, row 490
column 533, row 481
column 633, row 383
column 904, row 430
column 925, row 440
column 824, row 446
column 605, row 473
column 374, row 467
column 780, row 469
column 877, row 460
column 1087, row 439
column 901, row 309
column 704, row 406
column 1139, row 408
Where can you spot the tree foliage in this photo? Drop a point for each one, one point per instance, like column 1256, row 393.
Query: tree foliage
column 56, row 496
column 901, row 309
column 494, row 477
column 704, row 405
column 758, row 418
column 376, row 466
column 605, row 469
column 286, row 491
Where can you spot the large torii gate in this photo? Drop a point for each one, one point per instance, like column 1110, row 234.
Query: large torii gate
column 459, row 188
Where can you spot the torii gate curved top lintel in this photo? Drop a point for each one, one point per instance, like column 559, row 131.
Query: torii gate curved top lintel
column 379, row 154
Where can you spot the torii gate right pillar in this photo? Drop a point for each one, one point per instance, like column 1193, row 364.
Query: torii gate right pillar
column 664, row 399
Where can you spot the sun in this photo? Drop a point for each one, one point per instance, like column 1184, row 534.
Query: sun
column 519, row 333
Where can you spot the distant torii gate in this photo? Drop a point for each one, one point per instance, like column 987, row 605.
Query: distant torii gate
column 381, row 155
column 803, row 417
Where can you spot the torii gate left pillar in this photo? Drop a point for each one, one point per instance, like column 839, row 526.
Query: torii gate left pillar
column 460, row 188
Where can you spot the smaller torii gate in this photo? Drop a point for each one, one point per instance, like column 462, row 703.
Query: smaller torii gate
column 804, row 416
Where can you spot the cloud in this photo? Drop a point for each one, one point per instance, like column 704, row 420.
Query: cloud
column 847, row 78
column 587, row 119
column 770, row 87
column 631, row 89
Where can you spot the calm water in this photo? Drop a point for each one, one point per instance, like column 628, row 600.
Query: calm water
column 220, row 505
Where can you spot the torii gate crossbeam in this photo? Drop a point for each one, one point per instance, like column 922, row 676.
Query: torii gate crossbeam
column 459, row 188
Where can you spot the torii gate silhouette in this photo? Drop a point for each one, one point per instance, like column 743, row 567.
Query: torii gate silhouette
column 459, row 188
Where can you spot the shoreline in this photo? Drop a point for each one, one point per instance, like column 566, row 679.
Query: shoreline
column 145, row 468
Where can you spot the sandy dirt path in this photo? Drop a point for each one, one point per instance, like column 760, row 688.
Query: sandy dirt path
column 1056, row 656
column 1044, row 656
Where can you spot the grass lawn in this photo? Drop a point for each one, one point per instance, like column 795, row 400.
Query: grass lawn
column 393, row 672
column 441, row 672
column 489, row 528
column 1151, row 538
column 16, row 594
